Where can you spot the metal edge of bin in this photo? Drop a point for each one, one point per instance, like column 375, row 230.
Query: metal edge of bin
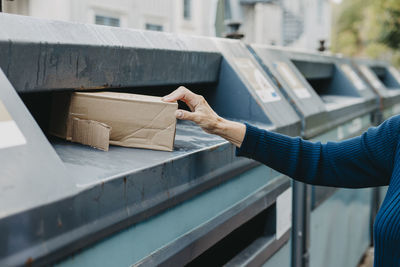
column 65, row 55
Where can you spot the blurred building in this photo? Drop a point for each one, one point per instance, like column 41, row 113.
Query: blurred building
column 184, row 16
column 296, row 23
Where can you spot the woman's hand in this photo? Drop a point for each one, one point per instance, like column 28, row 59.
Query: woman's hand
column 203, row 115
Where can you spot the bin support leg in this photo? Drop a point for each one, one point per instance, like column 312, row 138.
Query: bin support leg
column 374, row 210
column 301, row 224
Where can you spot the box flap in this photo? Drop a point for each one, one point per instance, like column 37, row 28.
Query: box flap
column 92, row 133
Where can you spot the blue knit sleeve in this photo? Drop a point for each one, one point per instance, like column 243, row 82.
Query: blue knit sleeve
column 362, row 161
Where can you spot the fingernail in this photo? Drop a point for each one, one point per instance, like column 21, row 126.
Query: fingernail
column 166, row 98
column 179, row 114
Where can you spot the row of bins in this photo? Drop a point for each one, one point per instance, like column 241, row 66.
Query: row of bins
column 200, row 205
column 334, row 104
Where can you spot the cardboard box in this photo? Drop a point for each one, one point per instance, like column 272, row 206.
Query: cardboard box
column 103, row 118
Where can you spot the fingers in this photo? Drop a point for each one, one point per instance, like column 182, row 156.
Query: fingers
column 175, row 95
column 183, row 94
column 186, row 115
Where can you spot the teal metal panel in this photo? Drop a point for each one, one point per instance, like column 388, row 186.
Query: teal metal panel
column 339, row 233
column 138, row 241
column 281, row 258
column 390, row 111
column 340, row 225
column 382, row 194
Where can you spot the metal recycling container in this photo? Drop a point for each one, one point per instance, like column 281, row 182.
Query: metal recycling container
column 385, row 80
column 334, row 104
column 68, row 204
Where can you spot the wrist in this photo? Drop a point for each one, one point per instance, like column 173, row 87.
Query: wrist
column 221, row 126
column 232, row 131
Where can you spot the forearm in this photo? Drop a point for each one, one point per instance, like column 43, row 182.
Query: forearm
column 232, row 131
column 342, row 164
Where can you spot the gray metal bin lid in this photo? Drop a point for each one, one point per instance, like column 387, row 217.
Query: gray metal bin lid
column 262, row 90
column 39, row 54
column 341, row 95
column 383, row 78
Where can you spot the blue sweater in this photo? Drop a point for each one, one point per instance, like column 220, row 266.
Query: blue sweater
column 365, row 161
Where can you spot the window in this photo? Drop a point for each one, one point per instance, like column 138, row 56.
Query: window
column 108, row 21
column 187, row 14
column 154, row 27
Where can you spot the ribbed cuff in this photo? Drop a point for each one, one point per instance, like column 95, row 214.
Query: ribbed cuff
column 250, row 141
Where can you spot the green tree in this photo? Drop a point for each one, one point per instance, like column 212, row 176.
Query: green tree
column 367, row 28
column 390, row 22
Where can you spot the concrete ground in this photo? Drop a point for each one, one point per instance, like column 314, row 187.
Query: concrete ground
column 368, row 260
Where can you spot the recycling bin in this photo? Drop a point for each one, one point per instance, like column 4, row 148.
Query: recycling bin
column 334, row 104
column 385, row 80
column 67, row 204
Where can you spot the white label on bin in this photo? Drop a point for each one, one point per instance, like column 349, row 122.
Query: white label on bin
column 395, row 73
column 10, row 135
column 283, row 213
column 263, row 88
column 370, row 76
column 355, row 126
column 340, row 133
column 292, row 80
column 354, row 78
column 396, row 109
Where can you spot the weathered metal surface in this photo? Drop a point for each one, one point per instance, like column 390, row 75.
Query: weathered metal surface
column 38, row 54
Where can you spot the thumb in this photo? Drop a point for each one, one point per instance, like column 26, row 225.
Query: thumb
column 185, row 115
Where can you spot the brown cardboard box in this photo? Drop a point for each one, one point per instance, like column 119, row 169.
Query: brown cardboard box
column 103, row 118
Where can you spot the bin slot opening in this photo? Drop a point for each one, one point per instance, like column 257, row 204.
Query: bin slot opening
column 218, row 95
column 262, row 225
column 39, row 103
column 326, row 79
column 386, row 77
